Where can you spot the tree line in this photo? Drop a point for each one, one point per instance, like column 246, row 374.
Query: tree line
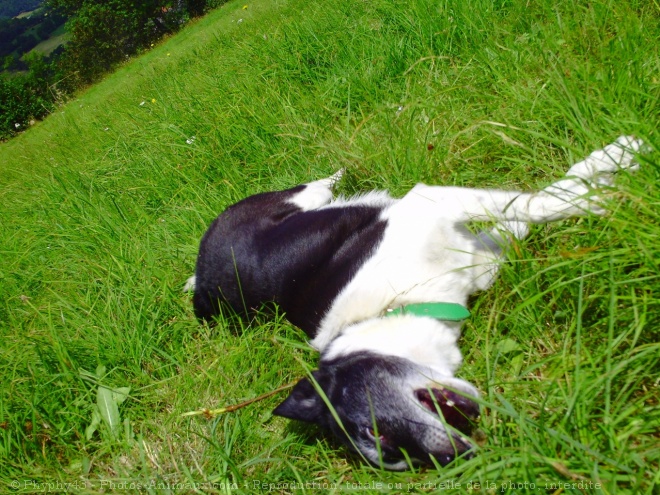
column 100, row 35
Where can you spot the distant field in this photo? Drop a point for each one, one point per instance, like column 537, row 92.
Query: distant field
column 103, row 204
column 56, row 39
column 28, row 14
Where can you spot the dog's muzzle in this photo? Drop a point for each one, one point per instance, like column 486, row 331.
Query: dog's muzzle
column 458, row 411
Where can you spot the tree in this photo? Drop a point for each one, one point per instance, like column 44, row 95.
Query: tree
column 105, row 33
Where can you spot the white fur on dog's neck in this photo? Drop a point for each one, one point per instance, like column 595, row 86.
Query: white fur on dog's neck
column 424, row 341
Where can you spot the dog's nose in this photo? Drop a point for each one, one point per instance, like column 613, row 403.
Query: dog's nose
column 458, row 411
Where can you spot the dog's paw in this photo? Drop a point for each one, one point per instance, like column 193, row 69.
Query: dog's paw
column 586, row 184
column 620, row 155
column 598, row 167
column 630, row 146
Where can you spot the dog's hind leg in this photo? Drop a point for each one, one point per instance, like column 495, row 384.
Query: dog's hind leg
column 570, row 196
column 317, row 193
column 567, row 197
column 574, row 195
column 502, row 230
column 495, row 240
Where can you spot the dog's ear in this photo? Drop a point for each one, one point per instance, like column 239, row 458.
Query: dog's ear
column 303, row 404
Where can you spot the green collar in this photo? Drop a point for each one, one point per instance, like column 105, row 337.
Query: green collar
column 439, row 310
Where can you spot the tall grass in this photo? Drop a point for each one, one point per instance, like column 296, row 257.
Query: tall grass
column 104, row 203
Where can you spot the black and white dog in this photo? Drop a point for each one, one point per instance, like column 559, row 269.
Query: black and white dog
column 380, row 287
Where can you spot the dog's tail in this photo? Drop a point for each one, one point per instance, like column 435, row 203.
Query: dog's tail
column 329, row 182
column 191, row 283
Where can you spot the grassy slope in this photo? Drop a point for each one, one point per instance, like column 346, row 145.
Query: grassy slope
column 103, row 205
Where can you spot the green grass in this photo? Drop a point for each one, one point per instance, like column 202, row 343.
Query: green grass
column 104, row 203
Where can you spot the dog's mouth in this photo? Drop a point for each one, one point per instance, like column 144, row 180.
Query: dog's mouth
column 458, row 411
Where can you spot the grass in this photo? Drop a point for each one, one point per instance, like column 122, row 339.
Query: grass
column 104, row 203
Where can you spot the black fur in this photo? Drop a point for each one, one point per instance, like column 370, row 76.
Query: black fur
column 265, row 249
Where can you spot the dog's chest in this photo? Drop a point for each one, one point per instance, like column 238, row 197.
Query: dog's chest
column 420, row 259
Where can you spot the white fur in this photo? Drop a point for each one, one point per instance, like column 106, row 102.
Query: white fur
column 421, row 340
column 427, row 254
column 317, row 193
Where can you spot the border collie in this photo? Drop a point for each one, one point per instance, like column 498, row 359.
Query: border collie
column 380, row 287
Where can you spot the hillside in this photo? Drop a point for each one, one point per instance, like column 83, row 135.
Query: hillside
column 102, row 206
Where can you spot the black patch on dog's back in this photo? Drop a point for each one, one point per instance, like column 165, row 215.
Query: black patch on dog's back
column 265, row 248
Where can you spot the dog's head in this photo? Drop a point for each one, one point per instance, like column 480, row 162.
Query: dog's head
column 387, row 408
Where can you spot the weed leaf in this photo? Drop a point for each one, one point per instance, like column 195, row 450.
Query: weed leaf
column 107, row 401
